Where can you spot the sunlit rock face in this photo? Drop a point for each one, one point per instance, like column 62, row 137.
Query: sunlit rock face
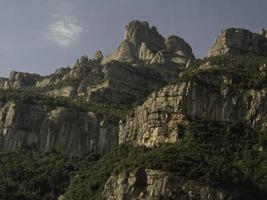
column 156, row 185
column 161, row 118
column 235, row 41
column 142, row 42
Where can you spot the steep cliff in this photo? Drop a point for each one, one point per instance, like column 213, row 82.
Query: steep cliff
column 211, row 92
column 235, row 41
column 47, row 128
column 155, row 185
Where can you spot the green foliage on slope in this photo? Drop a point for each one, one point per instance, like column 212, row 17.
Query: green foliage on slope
column 248, row 71
column 226, row 155
column 223, row 155
column 32, row 175
column 105, row 110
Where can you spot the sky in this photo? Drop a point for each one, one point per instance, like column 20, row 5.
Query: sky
column 39, row 36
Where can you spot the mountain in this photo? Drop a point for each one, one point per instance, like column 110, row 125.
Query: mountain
column 149, row 121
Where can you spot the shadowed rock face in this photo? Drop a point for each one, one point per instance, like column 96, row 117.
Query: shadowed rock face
column 144, row 43
column 155, row 185
column 234, row 41
column 65, row 130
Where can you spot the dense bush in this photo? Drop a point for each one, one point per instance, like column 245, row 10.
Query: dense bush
column 28, row 175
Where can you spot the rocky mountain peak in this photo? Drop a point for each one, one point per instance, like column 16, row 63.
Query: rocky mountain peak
column 142, row 42
column 236, row 41
column 137, row 32
column 98, row 56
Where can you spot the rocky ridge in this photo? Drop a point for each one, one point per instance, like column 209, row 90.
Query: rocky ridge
column 19, row 80
column 208, row 96
column 235, row 41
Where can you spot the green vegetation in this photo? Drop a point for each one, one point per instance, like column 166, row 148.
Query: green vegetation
column 104, row 110
column 224, row 155
column 227, row 155
column 245, row 70
column 28, row 175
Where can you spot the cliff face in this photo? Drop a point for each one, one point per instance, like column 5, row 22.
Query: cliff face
column 155, row 185
column 62, row 129
column 234, row 41
column 208, row 96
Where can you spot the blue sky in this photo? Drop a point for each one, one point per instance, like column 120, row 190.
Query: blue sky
column 42, row 35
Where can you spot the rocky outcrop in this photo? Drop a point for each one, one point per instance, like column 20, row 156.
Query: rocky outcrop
column 98, row 56
column 235, row 41
column 155, row 185
column 208, row 96
column 142, row 42
column 19, row 80
column 46, row 129
column 125, row 84
column 114, row 82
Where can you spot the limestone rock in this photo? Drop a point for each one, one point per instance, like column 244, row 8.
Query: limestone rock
column 19, row 80
column 98, row 56
column 142, row 42
column 69, row 131
column 83, row 60
column 207, row 96
column 155, row 185
column 234, row 41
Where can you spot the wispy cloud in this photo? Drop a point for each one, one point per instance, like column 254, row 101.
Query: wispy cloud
column 64, row 28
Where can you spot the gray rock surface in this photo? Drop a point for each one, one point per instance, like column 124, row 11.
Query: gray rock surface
column 98, row 57
column 19, row 80
column 156, row 185
column 235, row 41
column 45, row 128
column 207, row 96
column 142, row 42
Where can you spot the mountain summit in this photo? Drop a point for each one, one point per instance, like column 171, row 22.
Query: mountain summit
column 142, row 42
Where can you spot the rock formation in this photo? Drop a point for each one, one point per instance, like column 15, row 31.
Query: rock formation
column 142, row 42
column 234, row 41
column 19, row 80
column 115, row 82
column 98, row 56
column 155, row 185
column 207, row 96
column 45, row 128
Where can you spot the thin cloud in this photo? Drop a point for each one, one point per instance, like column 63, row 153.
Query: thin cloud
column 64, row 30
